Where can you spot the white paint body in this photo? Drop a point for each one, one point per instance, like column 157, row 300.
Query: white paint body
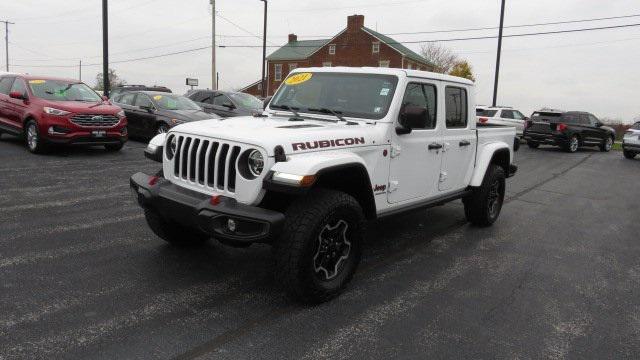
column 506, row 117
column 403, row 164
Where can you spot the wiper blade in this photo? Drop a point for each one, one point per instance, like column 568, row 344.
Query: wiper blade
column 288, row 108
column 335, row 113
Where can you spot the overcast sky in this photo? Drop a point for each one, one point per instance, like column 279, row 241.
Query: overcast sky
column 594, row 71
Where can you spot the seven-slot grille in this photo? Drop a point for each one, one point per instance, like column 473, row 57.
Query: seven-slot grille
column 206, row 162
column 94, row 120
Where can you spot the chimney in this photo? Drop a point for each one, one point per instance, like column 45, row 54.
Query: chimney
column 355, row 23
column 293, row 37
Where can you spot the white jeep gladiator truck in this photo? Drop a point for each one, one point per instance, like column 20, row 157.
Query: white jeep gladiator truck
column 334, row 148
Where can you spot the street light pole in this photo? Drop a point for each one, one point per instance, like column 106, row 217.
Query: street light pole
column 495, row 83
column 214, row 82
column 264, row 51
column 105, row 49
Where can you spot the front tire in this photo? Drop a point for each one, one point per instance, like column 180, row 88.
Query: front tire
column 483, row 207
column 573, row 145
column 533, row 144
column 606, row 145
column 319, row 250
column 174, row 234
column 32, row 137
column 629, row 154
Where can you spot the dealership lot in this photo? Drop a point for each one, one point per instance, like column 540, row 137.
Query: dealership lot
column 84, row 277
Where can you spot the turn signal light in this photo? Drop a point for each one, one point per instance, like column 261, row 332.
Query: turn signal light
column 561, row 127
column 483, row 120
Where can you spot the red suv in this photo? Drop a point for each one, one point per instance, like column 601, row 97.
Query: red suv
column 49, row 110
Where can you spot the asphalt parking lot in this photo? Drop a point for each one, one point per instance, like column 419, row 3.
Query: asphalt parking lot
column 558, row 276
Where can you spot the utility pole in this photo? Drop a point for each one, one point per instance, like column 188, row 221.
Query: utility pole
column 495, row 83
column 264, row 51
column 6, row 39
column 80, row 71
column 214, row 82
column 105, row 48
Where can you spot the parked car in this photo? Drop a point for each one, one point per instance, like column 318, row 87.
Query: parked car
column 569, row 130
column 226, row 103
column 126, row 88
column 305, row 177
column 46, row 110
column 501, row 116
column 631, row 141
column 150, row 112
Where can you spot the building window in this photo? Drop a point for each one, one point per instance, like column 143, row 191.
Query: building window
column 326, row 64
column 292, row 66
column 277, row 72
column 332, row 49
column 384, row 63
column 259, row 86
column 375, row 47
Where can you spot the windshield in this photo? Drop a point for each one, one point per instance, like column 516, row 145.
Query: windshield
column 174, row 102
column 60, row 90
column 354, row 95
column 246, row 101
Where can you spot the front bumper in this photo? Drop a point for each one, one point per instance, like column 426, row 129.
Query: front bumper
column 627, row 146
column 196, row 210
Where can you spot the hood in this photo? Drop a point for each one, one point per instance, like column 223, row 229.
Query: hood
column 106, row 108
column 294, row 136
column 190, row 115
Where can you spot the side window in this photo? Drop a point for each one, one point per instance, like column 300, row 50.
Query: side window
column 19, row 86
column 5, row 85
column 456, row 107
column 126, row 98
column 507, row 114
column 424, row 96
column 221, row 100
column 518, row 115
column 143, row 100
column 583, row 120
column 594, row 120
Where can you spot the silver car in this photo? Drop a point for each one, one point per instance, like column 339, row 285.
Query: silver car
column 631, row 141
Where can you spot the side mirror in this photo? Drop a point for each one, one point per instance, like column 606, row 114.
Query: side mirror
column 149, row 109
column 599, row 124
column 265, row 102
column 412, row 117
column 17, row 95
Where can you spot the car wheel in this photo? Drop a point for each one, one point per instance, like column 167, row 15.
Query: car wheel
column 574, row 144
column 319, row 250
column 533, row 144
column 629, row 154
column 607, row 145
column 162, row 129
column 114, row 147
column 174, row 234
column 483, row 207
column 32, row 137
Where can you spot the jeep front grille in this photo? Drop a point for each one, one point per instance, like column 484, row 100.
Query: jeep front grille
column 208, row 163
column 95, row 120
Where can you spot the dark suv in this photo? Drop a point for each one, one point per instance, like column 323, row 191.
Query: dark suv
column 126, row 88
column 569, row 130
column 226, row 103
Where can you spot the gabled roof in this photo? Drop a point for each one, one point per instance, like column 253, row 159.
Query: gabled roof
column 297, row 50
column 398, row 47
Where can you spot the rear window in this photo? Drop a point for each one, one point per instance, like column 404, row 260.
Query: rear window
column 485, row 112
column 545, row 116
column 636, row 126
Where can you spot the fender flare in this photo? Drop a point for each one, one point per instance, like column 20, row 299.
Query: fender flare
column 315, row 163
column 485, row 159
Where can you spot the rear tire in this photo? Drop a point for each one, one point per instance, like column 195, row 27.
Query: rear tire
column 114, row 147
column 533, row 144
column 319, row 250
column 629, row 154
column 32, row 137
column 483, row 207
column 606, row 145
column 174, row 234
column 573, row 145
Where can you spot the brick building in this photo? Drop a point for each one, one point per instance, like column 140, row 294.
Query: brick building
column 355, row 46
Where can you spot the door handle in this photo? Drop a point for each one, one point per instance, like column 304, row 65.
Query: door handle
column 435, row 146
column 464, row 143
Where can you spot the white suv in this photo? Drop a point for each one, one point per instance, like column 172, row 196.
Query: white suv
column 505, row 116
column 631, row 141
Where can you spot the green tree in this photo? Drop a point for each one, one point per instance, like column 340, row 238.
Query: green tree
column 462, row 69
column 114, row 80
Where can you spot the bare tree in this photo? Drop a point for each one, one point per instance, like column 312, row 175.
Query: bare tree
column 443, row 58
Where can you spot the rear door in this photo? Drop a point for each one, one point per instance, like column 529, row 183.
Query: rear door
column 5, row 105
column 459, row 141
column 17, row 107
column 126, row 101
column 145, row 115
column 414, row 167
column 510, row 118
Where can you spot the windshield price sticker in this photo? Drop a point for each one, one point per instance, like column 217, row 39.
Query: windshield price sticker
column 157, row 97
column 36, row 81
column 298, row 78
column 384, row 92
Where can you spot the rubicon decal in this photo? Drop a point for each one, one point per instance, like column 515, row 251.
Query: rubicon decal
column 321, row 144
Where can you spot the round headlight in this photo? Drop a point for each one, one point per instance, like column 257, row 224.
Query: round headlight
column 172, row 144
column 256, row 162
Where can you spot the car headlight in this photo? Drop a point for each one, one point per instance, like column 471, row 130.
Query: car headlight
column 121, row 113
column 255, row 162
column 54, row 111
column 172, row 145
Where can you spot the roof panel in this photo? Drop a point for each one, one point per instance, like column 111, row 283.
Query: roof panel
column 297, row 50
